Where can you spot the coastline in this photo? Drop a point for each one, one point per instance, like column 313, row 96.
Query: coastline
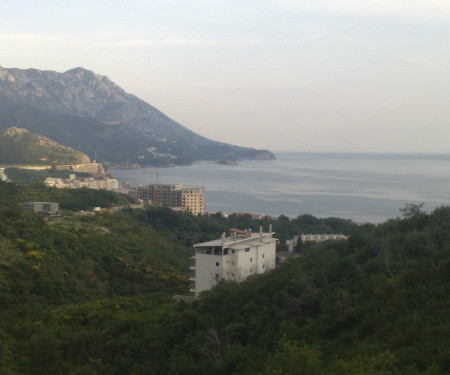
column 361, row 187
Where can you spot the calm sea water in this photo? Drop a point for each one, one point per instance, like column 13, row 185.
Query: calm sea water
column 361, row 187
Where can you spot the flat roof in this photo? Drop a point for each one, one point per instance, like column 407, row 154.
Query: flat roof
column 255, row 238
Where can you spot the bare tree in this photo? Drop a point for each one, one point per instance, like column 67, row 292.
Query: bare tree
column 216, row 352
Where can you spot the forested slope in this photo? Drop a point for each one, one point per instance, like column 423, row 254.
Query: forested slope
column 93, row 295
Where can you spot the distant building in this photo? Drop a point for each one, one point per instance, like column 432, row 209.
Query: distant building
column 49, row 208
column 172, row 196
column 55, row 182
column 312, row 238
column 3, row 176
column 235, row 258
column 193, row 199
column 83, row 182
column 89, row 183
column 112, row 184
column 320, row 237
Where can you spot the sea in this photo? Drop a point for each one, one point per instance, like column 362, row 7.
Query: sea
column 366, row 188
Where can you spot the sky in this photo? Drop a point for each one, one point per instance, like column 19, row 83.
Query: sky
column 303, row 75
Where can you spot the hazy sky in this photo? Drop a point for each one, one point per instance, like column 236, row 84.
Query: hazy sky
column 305, row 75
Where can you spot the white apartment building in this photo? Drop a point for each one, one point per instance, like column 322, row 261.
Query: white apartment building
column 235, row 258
column 88, row 182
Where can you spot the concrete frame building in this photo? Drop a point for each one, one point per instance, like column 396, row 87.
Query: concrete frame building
column 173, row 196
column 50, row 208
column 234, row 258
column 193, row 198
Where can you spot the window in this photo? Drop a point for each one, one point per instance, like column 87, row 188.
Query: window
column 232, row 263
column 217, row 276
column 251, row 271
column 263, row 255
column 247, row 249
column 251, row 259
column 264, row 266
column 233, row 251
column 217, row 264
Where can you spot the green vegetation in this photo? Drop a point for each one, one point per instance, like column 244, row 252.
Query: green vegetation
column 32, row 177
column 72, row 200
column 19, row 146
column 93, row 295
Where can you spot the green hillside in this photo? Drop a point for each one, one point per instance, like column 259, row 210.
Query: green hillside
column 93, row 295
column 19, row 146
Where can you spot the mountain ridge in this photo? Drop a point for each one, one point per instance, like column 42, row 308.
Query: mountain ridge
column 123, row 128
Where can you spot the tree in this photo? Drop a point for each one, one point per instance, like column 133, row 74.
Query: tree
column 299, row 245
column 412, row 210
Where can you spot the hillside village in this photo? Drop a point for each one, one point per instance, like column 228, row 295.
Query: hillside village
column 174, row 196
column 73, row 182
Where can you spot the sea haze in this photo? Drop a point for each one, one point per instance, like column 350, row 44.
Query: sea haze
column 361, row 187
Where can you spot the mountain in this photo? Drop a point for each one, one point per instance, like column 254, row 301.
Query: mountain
column 92, row 114
column 19, row 146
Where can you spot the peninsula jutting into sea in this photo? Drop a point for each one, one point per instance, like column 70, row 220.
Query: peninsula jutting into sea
column 90, row 113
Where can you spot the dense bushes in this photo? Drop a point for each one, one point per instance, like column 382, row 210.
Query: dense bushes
column 93, row 295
